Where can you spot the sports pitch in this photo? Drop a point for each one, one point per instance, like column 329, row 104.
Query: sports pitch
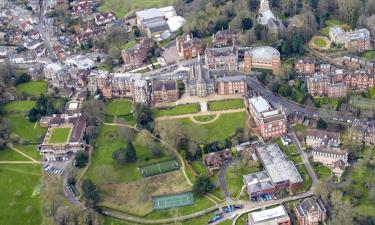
column 172, row 201
column 159, row 168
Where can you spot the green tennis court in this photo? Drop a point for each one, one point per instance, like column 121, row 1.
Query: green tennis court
column 172, row 201
column 159, row 168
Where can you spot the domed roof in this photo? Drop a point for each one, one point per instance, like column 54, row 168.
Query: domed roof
column 264, row 52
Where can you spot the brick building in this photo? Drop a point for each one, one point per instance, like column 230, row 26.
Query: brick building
column 360, row 80
column 104, row 18
column 231, row 85
column 263, row 57
column 222, row 58
column 310, row 211
column 135, row 56
column 354, row 41
column 305, row 65
column 164, row 91
column 364, row 133
column 225, row 38
column 188, row 47
column 271, row 122
column 327, row 85
column 328, row 156
column 273, row 216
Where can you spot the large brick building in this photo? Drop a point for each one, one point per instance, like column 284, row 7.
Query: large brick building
column 135, row 56
column 271, row 122
column 310, row 211
column 164, row 91
column 224, row 38
column 231, row 85
column 325, row 85
column 305, row 65
column 354, row 41
column 360, row 80
column 188, row 47
column 263, row 57
column 222, row 58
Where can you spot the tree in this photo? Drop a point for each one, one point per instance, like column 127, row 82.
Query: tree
column 90, row 193
column 93, row 112
column 144, row 117
column 156, row 152
column 202, row 185
column 81, row 159
column 130, row 153
column 322, row 124
column 119, row 156
column 247, row 23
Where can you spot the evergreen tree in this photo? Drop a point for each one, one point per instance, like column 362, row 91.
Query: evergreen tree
column 130, row 153
column 202, row 185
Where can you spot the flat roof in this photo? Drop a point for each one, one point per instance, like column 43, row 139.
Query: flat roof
column 269, row 216
column 260, row 104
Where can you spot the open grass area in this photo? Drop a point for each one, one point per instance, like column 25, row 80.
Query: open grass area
column 26, row 130
column 30, row 150
column 18, row 206
column 226, row 104
column 122, row 7
column 108, row 142
column 7, row 154
column 19, row 106
column 204, row 118
column 323, row 172
column 129, row 44
column 320, row 42
column 242, row 220
column 177, row 110
column 307, row 182
column 220, row 129
column 370, row 55
column 34, row 88
column 234, row 177
column 59, row 135
column 290, row 151
column 331, row 23
column 118, row 107
column 325, row 101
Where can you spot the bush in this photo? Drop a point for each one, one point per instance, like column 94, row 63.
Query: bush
column 81, row 159
column 202, row 185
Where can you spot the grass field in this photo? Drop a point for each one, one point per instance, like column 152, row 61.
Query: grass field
column 331, row 23
column 220, row 129
column 59, row 135
column 8, row 154
column 118, row 107
column 18, row 206
column 290, row 151
column 320, row 42
column 34, row 88
column 122, row 7
column 226, row 104
column 370, row 55
column 234, row 177
column 204, row 118
column 323, row 172
column 177, row 110
column 106, row 143
column 19, row 106
column 25, row 129
column 30, row 150
column 159, row 168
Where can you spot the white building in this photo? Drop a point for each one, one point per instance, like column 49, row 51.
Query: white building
column 81, row 62
column 274, row 216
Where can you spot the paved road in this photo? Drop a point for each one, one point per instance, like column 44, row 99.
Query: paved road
column 222, row 182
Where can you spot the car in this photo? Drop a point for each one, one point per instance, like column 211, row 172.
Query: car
column 349, row 121
column 341, row 120
column 335, row 119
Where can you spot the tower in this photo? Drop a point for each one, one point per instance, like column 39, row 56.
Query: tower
column 264, row 6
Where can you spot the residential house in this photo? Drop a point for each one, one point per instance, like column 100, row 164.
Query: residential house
column 305, row 65
column 328, row 156
column 310, row 211
column 213, row 160
column 321, row 138
column 364, row 132
column 82, row 8
column 89, row 34
column 104, row 18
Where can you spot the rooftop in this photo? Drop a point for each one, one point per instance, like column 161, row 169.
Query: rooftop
column 269, row 217
column 260, row 104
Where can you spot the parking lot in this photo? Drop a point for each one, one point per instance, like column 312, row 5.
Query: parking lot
column 55, row 164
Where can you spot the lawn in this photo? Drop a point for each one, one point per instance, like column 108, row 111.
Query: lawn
column 19, row 106
column 226, row 104
column 234, row 177
column 34, row 88
column 118, row 107
column 307, row 182
column 320, row 42
column 242, row 220
column 7, row 154
column 331, row 23
column 107, row 142
column 177, row 110
column 290, row 151
column 204, row 118
column 323, row 172
column 370, row 55
column 30, row 150
column 122, row 7
column 25, row 129
column 59, row 135
column 219, row 130
column 129, row 44
column 18, row 206
column 325, row 101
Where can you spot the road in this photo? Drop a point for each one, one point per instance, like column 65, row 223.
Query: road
column 41, row 28
column 222, row 182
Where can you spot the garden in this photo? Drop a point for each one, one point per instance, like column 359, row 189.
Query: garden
column 226, row 104
column 177, row 110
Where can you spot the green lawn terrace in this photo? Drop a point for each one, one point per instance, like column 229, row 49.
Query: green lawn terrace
column 32, row 88
column 59, row 135
column 176, row 110
column 119, row 110
column 333, row 22
column 19, row 106
column 26, row 131
column 226, row 104
column 122, row 7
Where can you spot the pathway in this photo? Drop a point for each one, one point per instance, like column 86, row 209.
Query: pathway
column 205, row 122
column 19, row 162
column 223, row 184
column 20, row 152
column 200, row 114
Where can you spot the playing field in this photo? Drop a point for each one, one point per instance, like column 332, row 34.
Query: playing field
column 34, row 88
column 118, row 107
column 159, row 168
column 59, row 135
column 172, row 201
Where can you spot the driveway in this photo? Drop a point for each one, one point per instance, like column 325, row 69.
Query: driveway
column 222, row 182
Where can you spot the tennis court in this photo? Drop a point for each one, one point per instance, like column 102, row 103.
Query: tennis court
column 172, row 201
column 159, row 168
